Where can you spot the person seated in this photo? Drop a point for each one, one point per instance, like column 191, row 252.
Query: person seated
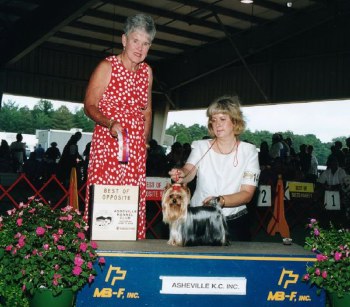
column 333, row 176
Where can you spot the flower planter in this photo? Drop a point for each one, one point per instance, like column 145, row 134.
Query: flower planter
column 336, row 301
column 44, row 298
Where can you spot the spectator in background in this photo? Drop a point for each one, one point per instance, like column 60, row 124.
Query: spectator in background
column 332, row 177
column 70, row 158
column 5, row 157
column 347, row 157
column 338, row 153
column 33, row 169
column 276, row 147
column 39, row 153
column 86, row 155
column 51, row 157
column 304, row 160
column 174, row 157
column 156, row 162
column 18, row 153
column 186, row 151
column 264, row 155
column 312, row 174
column 292, row 152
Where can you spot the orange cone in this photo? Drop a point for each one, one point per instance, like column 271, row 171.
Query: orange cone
column 278, row 222
column 73, row 190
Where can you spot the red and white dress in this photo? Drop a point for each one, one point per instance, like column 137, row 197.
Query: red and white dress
column 123, row 100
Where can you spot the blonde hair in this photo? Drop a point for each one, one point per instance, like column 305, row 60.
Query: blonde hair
column 231, row 106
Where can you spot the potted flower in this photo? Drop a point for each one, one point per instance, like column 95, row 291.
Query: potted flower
column 46, row 249
column 331, row 270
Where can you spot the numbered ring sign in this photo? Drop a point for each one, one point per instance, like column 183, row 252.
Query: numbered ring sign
column 332, row 200
column 264, row 199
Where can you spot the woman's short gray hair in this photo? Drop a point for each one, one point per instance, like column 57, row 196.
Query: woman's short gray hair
column 231, row 106
column 141, row 22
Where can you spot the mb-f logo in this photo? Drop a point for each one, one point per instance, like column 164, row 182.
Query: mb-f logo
column 287, row 278
column 113, row 275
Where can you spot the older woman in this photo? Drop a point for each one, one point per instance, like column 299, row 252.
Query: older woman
column 226, row 168
column 118, row 99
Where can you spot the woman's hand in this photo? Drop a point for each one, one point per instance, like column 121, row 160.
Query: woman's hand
column 177, row 175
column 114, row 128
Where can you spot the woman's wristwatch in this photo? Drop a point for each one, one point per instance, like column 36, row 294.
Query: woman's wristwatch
column 220, row 201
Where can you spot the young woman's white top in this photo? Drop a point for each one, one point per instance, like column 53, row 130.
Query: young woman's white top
column 220, row 174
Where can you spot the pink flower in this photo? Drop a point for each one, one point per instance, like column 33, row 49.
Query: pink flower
column 89, row 265
column 19, row 222
column 46, row 246
column 91, row 278
column 77, row 225
column 324, row 274
column 337, row 256
column 8, row 248
column 321, row 257
column 56, row 278
column 318, row 272
column 55, row 282
column 61, row 247
column 77, row 271
column 93, row 244
column 306, row 277
column 55, row 237
column 23, row 287
column 316, row 232
column 18, row 235
column 101, row 260
column 78, row 261
column 313, row 221
column 83, row 247
column 21, row 241
column 60, row 231
column 11, row 212
column 81, row 235
column 56, row 267
column 40, row 231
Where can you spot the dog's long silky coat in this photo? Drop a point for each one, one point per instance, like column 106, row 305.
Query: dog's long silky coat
column 191, row 226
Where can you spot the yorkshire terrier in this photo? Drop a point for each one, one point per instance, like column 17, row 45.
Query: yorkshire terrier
column 192, row 226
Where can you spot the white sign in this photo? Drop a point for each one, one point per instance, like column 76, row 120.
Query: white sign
column 332, row 200
column 264, row 199
column 203, row 285
column 115, row 211
column 155, row 187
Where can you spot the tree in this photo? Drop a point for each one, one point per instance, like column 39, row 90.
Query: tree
column 62, row 119
column 83, row 122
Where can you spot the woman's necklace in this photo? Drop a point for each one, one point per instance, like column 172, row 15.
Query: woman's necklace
column 227, row 153
column 233, row 149
column 132, row 69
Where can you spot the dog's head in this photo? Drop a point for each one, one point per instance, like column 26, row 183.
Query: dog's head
column 175, row 200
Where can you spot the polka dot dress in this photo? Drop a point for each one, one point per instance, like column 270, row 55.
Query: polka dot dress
column 123, row 100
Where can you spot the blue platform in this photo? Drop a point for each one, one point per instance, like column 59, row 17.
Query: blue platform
column 151, row 273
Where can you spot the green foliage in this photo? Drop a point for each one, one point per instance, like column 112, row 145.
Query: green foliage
column 185, row 134
column 42, row 117
column 11, row 295
column 331, row 271
column 46, row 248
